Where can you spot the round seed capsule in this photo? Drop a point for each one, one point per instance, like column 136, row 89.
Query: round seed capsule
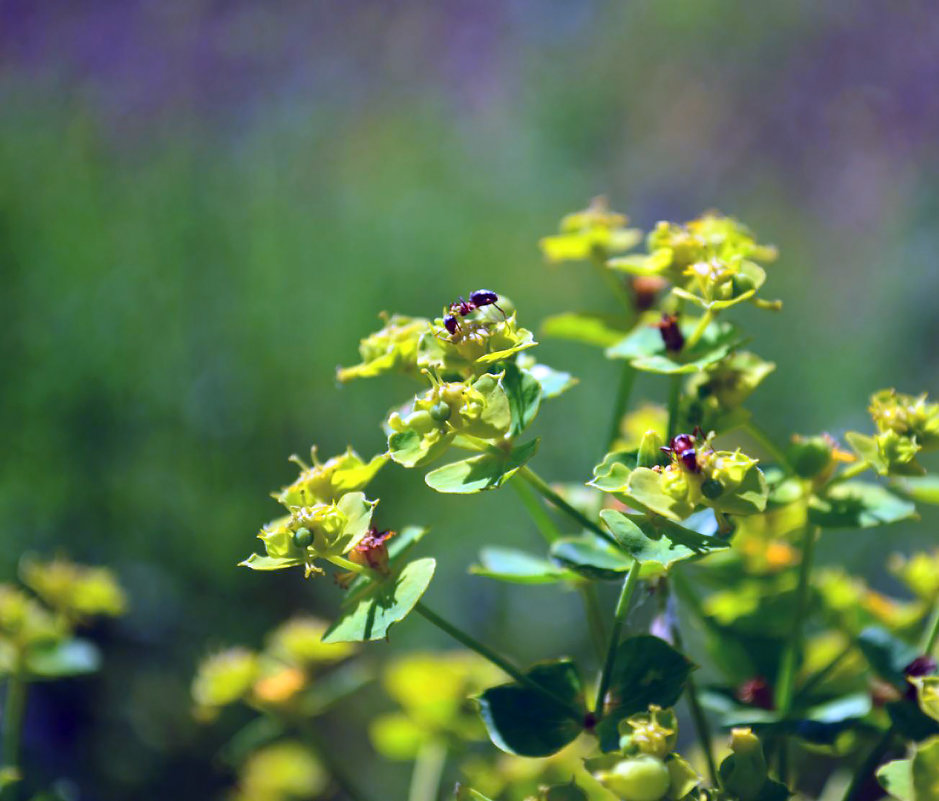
column 712, row 488
column 440, row 411
column 642, row 778
column 302, row 538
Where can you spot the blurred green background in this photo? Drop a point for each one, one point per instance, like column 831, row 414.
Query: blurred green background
column 204, row 205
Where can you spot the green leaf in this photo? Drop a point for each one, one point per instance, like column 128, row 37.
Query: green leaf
column 368, row 613
column 553, row 382
column 74, row 657
column 645, row 543
column 525, row 722
column 924, row 489
column 524, row 394
column 509, row 564
column 646, row 489
column 602, row 330
column 858, row 504
column 645, row 349
column 565, row 792
column 590, row 557
column 478, row 473
column 613, row 472
column 897, row 779
column 464, row 793
column 647, row 670
column 258, row 562
column 926, row 771
column 887, row 655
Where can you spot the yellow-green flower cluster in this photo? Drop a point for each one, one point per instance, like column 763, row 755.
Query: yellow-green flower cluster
column 477, row 408
column 710, row 261
column 69, row 594
column 646, row 768
column 391, row 349
column 431, row 690
column 480, row 341
column 76, row 591
column 328, row 516
column 281, row 771
column 270, row 678
column 594, row 233
column 906, row 425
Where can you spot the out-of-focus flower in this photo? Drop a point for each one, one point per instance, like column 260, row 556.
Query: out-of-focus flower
column 75, row 590
column 283, row 771
column 596, row 232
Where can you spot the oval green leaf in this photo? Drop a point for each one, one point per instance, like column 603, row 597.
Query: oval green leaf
column 479, row 473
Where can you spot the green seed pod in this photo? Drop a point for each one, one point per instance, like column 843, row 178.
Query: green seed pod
column 641, row 778
column 712, row 489
column 440, row 411
column 742, row 283
column 302, row 538
column 809, row 456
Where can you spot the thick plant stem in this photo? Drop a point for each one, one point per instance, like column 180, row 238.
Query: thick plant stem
column 674, row 395
column 428, row 770
column 626, row 381
column 932, row 631
column 338, row 772
column 701, row 727
column 14, row 706
column 540, row 485
column 787, row 669
column 548, row 529
column 863, row 774
column 497, row 659
column 622, row 607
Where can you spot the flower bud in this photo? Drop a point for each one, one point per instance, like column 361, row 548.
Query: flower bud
column 650, row 449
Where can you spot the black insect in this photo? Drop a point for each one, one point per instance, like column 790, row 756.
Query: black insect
column 477, row 299
column 683, row 446
column 451, row 323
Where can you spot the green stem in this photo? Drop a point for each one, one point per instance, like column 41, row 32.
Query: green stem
column 14, row 708
column 463, row 637
column 706, row 319
column 588, row 592
column 615, row 284
column 428, row 770
column 702, row 729
column 626, row 381
column 622, row 607
column 536, row 511
column 767, row 443
column 550, row 531
column 674, row 396
column 863, row 774
column 497, row 659
column 932, row 631
column 542, row 486
column 787, row 670
column 337, row 771
column 817, row 678
column 850, row 472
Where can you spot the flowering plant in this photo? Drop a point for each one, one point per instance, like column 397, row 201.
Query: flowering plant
column 692, row 501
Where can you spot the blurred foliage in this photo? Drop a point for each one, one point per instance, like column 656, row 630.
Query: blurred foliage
column 201, row 207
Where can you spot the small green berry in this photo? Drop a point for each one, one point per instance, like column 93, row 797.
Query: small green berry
column 712, row 488
column 302, row 538
column 440, row 411
column 742, row 283
column 641, row 778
